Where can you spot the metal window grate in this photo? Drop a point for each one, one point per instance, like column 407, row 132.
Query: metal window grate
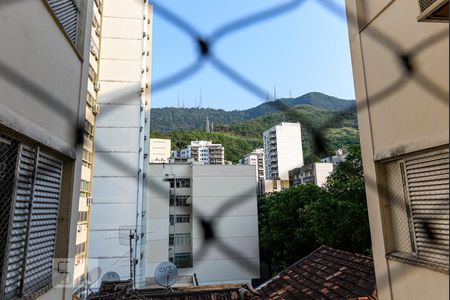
column 31, row 201
column 424, row 4
column 68, row 14
column 427, row 183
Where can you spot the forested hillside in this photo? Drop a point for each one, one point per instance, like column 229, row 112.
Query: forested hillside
column 335, row 130
column 172, row 119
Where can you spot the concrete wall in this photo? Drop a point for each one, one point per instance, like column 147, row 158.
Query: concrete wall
column 121, row 133
column 409, row 119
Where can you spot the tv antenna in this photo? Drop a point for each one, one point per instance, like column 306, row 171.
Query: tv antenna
column 166, row 274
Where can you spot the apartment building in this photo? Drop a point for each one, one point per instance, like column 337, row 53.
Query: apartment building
column 203, row 151
column 404, row 137
column 255, row 158
column 160, row 150
column 315, row 173
column 181, row 195
column 121, row 143
column 283, row 150
column 92, row 109
column 336, row 159
column 44, row 63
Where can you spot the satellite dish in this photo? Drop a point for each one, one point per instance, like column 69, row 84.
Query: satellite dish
column 93, row 275
column 111, row 276
column 166, row 274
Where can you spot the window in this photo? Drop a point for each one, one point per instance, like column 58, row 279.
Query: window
column 183, row 218
column 85, row 186
column 183, row 239
column 89, row 129
column 36, row 207
column 418, row 199
column 181, row 182
column 181, row 200
column 68, row 13
column 183, row 260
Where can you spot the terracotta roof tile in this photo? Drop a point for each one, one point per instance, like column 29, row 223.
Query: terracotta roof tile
column 326, row 273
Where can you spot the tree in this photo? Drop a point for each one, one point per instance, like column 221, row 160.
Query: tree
column 295, row 221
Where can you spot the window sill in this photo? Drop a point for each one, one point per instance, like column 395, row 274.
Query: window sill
column 411, row 259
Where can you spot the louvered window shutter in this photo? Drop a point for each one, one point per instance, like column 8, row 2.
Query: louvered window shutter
column 427, row 184
column 29, row 262
column 68, row 14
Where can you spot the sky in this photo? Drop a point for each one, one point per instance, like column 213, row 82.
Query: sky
column 304, row 50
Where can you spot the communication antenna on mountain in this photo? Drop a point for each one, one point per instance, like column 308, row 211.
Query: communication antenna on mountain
column 267, row 95
column 200, row 101
column 290, row 93
column 178, row 100
column 274, row 93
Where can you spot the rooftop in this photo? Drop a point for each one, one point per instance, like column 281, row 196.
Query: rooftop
column 326, row 273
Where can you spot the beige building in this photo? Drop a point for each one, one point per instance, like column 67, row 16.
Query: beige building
column 404, row 139
column 121, row 142
column 92, row 109
column 315, row 173
column 44, row 64
column 160, row 150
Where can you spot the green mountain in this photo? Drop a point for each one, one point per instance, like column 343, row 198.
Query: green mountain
column 173, row 119
column 323, row 131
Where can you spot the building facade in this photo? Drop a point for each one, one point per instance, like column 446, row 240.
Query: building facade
column 404, row 137
column 203, row 151
column 283, row 150
column 44, row 64
column 160, row 150
column 121, row 144
column 181, row 196
column 92, row 110
column 315, row 173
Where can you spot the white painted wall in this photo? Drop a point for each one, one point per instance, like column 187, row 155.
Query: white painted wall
column 236, row 227
column 121, row 133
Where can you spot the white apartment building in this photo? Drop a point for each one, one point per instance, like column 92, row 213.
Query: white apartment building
column 122, row 128
column 44, row 62
column 255, row 158
column 335, row 159
column 315, row 173
column 203, row 151
column 160, row 150
column 283, row 150
column 173, row 222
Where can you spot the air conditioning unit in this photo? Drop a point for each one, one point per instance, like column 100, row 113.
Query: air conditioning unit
column 433, row 10
column 95, row 109
column 97, row 86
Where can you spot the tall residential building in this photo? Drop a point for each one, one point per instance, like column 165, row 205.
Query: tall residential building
column 255, row 158
column 315, row 173
column 203, row 151
column 44, row 62
column 160, row 150
column 283, row 150
column 404, row 141
column 92, row 109
column 121, row 144
column 183, row 194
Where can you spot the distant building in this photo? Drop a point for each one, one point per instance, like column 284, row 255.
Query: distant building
column 255, row 158
column 315, row 173
column 283, row 150
column 203, row 151
column 159, row 150
column 335, row 159
column 179, row 195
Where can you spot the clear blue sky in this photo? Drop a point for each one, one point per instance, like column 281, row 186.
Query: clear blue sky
column 304, row 50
